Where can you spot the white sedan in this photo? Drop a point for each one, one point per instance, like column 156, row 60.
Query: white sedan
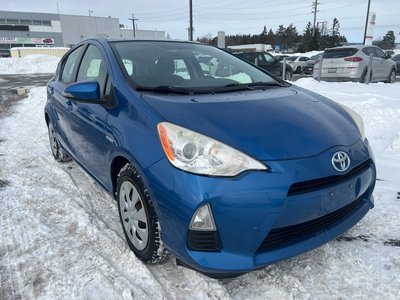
column 297, row 63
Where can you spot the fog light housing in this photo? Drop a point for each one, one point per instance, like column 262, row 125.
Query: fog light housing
column 202, row 233
column 203, row 220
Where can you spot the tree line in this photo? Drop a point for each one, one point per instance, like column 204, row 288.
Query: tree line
column 287, row 38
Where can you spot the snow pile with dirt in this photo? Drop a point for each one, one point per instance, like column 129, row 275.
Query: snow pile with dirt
column 61, row 237
column 30, row 64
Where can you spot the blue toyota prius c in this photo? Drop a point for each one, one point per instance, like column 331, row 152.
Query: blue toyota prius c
column 210, row 158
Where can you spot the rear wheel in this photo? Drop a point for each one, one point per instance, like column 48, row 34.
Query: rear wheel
column 138, row 217
column 58, row 152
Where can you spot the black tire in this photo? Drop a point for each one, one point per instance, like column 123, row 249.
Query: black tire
column 298, row 70
column 288, row 74
column 392, row 76
column 58, row 152
column 149, row 247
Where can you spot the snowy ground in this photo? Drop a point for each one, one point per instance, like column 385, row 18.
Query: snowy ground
column 61, row 237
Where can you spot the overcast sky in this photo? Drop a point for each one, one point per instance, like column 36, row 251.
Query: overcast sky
column 231, row 16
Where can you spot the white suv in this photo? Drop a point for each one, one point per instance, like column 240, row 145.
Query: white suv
column 351, row 63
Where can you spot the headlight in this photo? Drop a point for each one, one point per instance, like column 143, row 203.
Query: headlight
column 357, row 119
column 196, row 153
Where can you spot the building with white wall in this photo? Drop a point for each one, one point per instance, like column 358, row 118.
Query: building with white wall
column 26, row 29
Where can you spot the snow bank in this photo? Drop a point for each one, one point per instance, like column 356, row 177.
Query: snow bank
column 30, row 64
column 307, row 54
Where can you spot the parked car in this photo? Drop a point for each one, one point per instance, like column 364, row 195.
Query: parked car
column 396, row 59
column 229, row 170
column 309, row 66
column 280, row 57
column 297, row 63
column 267, row 62
column 351, row 63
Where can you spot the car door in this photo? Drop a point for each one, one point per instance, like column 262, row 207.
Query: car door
column 384, row 64
column 376, row 64
column 87, row 126
column 61, row 104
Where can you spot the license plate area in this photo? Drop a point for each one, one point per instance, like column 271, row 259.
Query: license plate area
column 332, row 70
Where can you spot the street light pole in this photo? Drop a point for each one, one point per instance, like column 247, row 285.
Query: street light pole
column 190, row 21
column 366, row 22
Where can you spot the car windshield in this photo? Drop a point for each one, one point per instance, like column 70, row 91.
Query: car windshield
column 291, row 58
column 315, row 57
column 181, row 66
column 339, row 53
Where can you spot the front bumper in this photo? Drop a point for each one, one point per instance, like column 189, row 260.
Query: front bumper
column 250, row 207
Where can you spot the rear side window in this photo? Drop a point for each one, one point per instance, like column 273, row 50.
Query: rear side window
column 67, row 75
column 339, row 53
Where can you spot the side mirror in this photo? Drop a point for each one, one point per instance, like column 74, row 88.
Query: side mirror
column 388, row 55
column 86, row 91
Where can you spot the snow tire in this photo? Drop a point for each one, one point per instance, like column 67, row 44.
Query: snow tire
column 133, row 200
column 58, row 152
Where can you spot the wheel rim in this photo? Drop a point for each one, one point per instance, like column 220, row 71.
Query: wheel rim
column 392, row 77
column 133, row 215
column 287, row 76
column 53, row 140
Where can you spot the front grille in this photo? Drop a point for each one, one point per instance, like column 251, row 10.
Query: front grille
column 204, row 240
column 281, row 236
column 320, row 183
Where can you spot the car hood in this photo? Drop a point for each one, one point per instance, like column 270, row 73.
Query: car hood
column 275, row 124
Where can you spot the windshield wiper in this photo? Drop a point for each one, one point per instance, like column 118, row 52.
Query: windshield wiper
column 232, row 87
column 264, row 84
column 165, row 89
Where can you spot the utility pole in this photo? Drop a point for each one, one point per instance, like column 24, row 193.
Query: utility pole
column 133, row 23
column 366, row 22
column 190, row 21
column 315, row 10
column 90, row 12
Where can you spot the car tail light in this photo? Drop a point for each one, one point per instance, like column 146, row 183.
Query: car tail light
column 353, row 59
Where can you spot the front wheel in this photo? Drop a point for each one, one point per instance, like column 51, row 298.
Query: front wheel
column 138, row 217
column 392, row 76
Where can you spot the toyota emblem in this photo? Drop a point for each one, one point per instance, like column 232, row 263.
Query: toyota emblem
column 340, row 161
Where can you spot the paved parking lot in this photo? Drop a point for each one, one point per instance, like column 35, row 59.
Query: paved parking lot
column 9, row 85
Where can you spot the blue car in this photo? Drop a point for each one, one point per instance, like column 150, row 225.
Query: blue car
column 211, row 159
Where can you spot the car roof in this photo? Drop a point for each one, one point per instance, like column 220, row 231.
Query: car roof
column 353, row 47
column 112, row 40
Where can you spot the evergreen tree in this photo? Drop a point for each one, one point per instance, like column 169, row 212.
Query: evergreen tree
column 389, row 40
column 306, row 43
column 291, row 36
column 280, row 37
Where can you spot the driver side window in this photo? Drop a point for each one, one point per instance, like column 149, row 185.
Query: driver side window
column 93, row 67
